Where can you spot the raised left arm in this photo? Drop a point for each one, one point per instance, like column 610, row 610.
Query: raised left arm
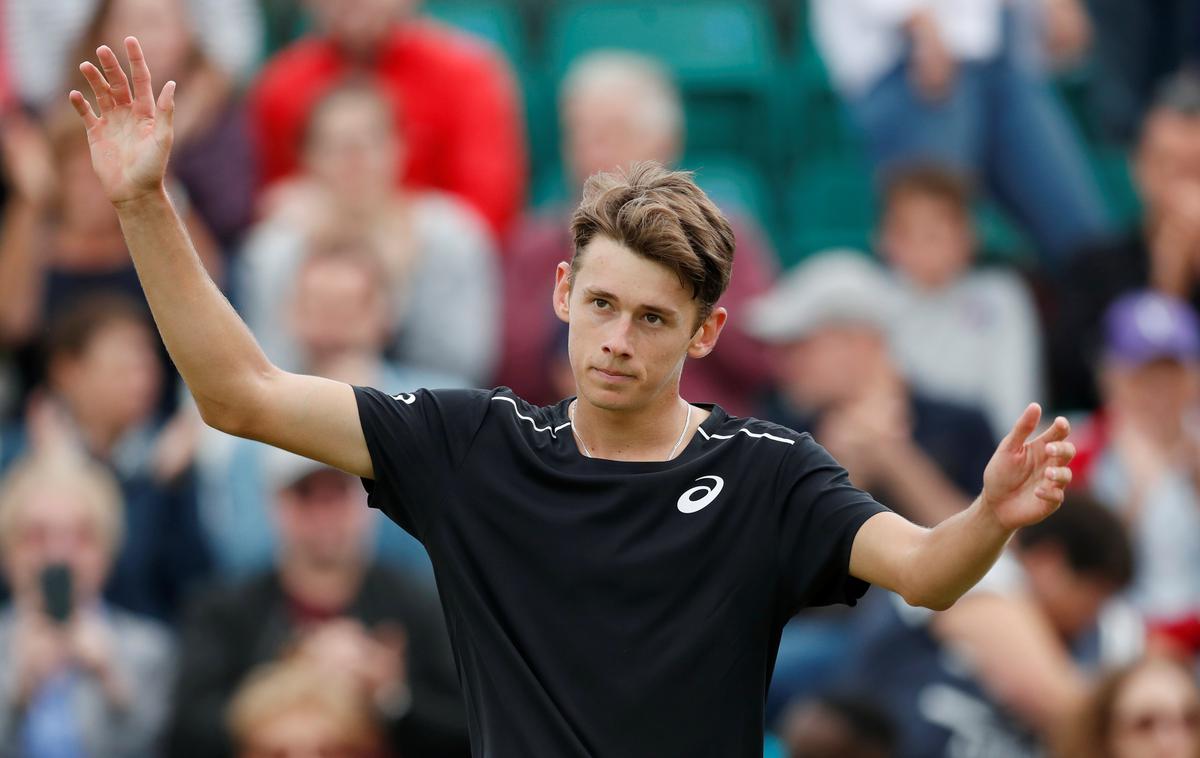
column 1025, row 482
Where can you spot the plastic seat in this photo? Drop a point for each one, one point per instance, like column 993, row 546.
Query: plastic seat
column 722, row 53
column 497, row 22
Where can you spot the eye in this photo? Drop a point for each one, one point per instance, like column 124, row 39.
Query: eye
column 653, row 318
column 600, row 302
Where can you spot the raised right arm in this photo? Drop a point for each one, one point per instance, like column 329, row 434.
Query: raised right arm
column 236, row 388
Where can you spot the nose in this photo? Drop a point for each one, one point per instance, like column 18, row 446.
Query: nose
column 617, row 339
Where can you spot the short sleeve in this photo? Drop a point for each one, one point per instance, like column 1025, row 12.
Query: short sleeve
column 416, row 441
column 821, row 514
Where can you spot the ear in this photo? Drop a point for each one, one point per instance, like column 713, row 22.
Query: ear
column 705, row 338
column 562, row 291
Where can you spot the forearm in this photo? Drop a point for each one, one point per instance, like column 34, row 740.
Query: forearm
column 20, row 271
column 211, row 347
column 947, row 560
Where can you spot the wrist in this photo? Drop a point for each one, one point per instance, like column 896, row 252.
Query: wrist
column 987, row 511
column 150, row 199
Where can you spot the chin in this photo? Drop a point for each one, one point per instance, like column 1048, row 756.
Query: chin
column 608, row 399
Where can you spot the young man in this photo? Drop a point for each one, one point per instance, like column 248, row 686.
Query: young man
column 604, row 596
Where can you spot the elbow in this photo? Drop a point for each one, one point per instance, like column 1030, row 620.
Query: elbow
column 236, row 414
column 222, row 417
column 943, row 603
column 919, row 594
column 931, row 601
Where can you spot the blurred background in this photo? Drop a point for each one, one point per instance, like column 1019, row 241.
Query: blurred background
column 944, row 209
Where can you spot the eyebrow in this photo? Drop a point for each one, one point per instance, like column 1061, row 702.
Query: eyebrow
column 661, row 310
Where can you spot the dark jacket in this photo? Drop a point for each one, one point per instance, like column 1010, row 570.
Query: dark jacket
column 229, row 631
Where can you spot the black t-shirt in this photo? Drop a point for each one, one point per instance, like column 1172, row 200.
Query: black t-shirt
column 610, row 608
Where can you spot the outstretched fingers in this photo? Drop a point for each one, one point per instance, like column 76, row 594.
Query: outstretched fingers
column 166, row 105
column 117, row 81
column 1023, row 428
column 83, row 108
column 143, row 92
column 99, row 86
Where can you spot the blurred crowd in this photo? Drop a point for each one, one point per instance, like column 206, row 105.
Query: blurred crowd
column 382, row 189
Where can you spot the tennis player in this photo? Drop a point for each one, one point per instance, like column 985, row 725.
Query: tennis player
column 615, row 569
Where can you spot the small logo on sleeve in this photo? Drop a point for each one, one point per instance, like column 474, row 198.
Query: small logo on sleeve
column 689, row 503
column 405, row 397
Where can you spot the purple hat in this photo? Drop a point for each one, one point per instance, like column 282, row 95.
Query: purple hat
column 1146, row 325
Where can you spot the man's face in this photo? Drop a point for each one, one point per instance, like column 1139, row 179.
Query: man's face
column 1168, row 161
column 632, row 323
column 1071, row 600
column 606, row 128
column 829, row 366
column 1155, row 396
column 323, row 519
column 338, row 310
column 57, row 526
column 352, row 147
column 115, row 381
column 926, row 239
column 359, row 26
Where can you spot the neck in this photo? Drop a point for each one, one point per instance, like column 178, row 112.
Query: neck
column 325, row 585
column 643, row 434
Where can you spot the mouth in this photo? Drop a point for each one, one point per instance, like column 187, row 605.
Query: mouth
column 613, row 377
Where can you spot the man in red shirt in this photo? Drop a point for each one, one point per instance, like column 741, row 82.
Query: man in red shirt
column 456, row 100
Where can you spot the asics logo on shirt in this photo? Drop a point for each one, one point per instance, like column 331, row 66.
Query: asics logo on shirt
column 405, row 397
column 689, row 503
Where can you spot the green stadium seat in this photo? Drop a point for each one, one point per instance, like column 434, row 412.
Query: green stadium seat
column 734, row 184
column 497, row 22
column 722, row 52
column 831, row 203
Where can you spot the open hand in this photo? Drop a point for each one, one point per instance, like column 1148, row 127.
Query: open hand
column 131, row 137
column 1026, row 480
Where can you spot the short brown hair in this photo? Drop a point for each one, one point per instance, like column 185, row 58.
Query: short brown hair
column 951, row 188
column 71, row 331
column 663, row 216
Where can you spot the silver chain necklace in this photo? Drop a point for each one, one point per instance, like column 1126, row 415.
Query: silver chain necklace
column 687, row 422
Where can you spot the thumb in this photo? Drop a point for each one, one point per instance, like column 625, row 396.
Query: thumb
column 166, row 109
column 1024, row 427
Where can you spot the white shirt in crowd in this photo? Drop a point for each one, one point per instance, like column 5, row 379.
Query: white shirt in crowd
column 975, row 341
column 862, row 40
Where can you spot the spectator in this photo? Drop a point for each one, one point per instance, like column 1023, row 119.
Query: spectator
column 103, row 379
column 1162, row 253
column 618, row 108
column 827, row 322
column 1147, row 708
column 211, row 154
column 943, row 81
column 61, row 240
column 838, row 727
column 966, row 335
column 327, row 602
column 291, row 710
column 994, row 674
column 338, row 313
column 1140, row 453
column 77, row 676
column 438, row 258
column 41, row 33
column 454, row 99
